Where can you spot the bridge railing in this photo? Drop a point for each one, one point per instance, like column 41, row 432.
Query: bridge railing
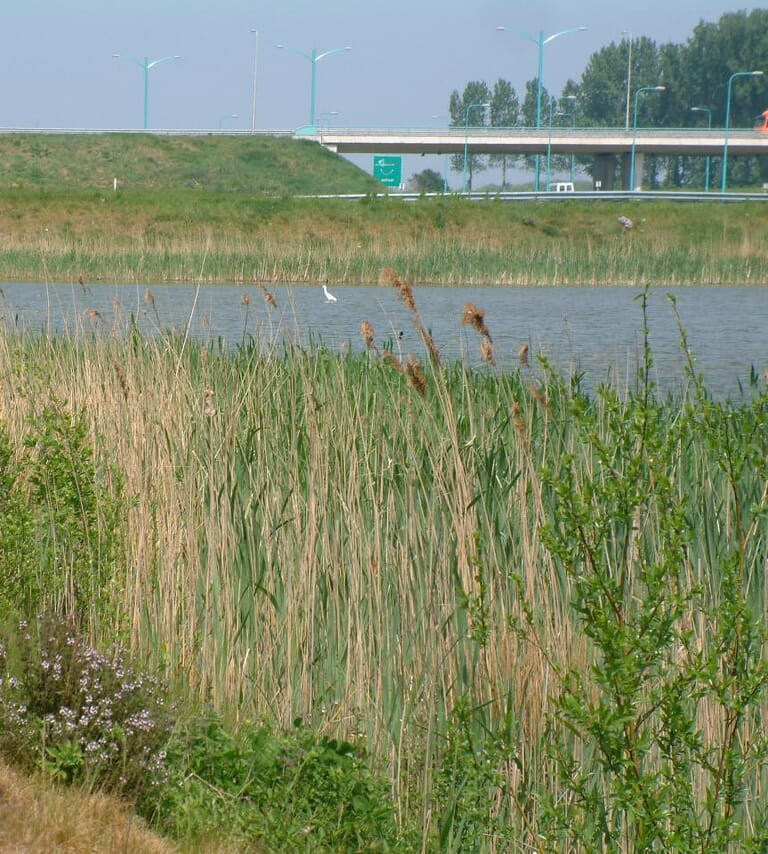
column 542, row 133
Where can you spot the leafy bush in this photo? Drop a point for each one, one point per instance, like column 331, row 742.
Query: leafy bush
column 287, row 791
column 83, row 716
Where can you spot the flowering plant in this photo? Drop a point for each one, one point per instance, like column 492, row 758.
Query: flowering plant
column 81, row 714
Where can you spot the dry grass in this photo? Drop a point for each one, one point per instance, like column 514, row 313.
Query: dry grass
column 38, row 818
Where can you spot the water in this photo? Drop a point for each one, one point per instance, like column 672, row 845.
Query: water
column 596, row 331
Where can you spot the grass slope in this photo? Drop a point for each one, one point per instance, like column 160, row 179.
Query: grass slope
column 242, row 164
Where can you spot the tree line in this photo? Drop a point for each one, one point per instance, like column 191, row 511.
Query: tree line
column 696, row 78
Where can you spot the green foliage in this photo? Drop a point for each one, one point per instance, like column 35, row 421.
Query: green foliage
column 60, row 521
column 471, row 795
column 640, row 764
column 294, row 790
column 82, row 716
column 427, row 181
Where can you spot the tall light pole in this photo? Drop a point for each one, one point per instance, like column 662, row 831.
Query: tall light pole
column 552, row 102
column 634, row 130
column 728, row 119
column 709, row 125
column 255, row 33
column 466, row 141
column 629, row 75
column 146, row 65
column 314, row 57
column 541, row 40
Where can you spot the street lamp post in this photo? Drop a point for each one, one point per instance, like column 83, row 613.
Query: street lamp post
column 549, row 142
column 629, row 75
column 634, row 130
column 314, row 57
column 709, row 125
column 541, row 40
column 255, row 33
column 728, row 119
column 466, row 141
column 145, row 64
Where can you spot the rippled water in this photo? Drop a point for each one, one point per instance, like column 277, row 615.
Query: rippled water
column 597, row 331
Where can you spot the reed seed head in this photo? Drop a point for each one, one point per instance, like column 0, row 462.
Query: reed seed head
column 246, row 299
column 475, row 317
column 366, row 330
column 390, row 277
column 390, row 358
column 209, row 408
column 486, row 348
column 268, row 297
column 523, row 354
column 121, row 378
column 149, row 297
column 415, row 375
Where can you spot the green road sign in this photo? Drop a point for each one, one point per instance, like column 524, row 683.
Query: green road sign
column 388, row 170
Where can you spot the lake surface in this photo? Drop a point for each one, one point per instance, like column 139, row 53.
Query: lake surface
column 597, row 331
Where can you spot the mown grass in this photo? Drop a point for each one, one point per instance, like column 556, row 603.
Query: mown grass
column 542, row 610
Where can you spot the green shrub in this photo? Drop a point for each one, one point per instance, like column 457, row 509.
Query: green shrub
column 275, row 791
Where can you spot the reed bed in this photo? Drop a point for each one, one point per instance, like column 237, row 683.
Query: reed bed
column 163, row 238
column 446, row 563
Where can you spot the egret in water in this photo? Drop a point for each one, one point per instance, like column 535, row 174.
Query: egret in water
column 329, row 297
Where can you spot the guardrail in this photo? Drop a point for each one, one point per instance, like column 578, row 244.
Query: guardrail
column 545, row 196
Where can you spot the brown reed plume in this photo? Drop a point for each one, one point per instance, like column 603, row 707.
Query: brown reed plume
column 366, row 331
column 486, row 350
column 209, row 407
column 121, row 378
column 412, row 370
column 246, row 300
column 390, row 358
column 475, row 317
column 269, row 299
column 523, row 354
column 389, row 276
column 416, row 378
column 150, row 298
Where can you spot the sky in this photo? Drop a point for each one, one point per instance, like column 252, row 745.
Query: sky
column 407, row 56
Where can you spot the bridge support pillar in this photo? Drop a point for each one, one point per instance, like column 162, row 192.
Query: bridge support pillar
column 604, row 173
column 638, row 176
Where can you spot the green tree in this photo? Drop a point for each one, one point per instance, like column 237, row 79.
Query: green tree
column 528, row 113
column 505, row 112
column 426, row 181
column 475, row 92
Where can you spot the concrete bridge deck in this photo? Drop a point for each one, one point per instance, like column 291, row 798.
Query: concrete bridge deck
column 484, row 140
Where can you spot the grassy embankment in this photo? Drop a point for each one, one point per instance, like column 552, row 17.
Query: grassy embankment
column 225, row 210
column 544, row 613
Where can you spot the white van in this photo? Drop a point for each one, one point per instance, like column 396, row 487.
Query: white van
column 561, row 187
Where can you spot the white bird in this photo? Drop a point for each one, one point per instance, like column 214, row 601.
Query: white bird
column 329, row 297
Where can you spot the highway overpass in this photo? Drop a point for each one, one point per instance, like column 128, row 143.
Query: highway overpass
column 607, row 145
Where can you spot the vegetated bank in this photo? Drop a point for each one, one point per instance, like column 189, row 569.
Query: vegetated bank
column 440, row 610
column 229, row 209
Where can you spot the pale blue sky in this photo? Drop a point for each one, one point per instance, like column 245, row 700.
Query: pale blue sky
column 407, row 56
